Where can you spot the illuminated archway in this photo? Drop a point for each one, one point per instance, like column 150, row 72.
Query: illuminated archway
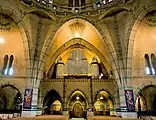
column 147, row 97
column 88, row 49
column 77, row 104
column 103, row 104
column 52, row 103
column 73, row 30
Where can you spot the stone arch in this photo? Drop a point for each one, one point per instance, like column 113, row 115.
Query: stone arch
column 148, row 96
column 73, row 93
column 139, row 18
column 106, row 41
column 48, row 90
column 103, row 103
column 14, row 97
column 50, row 101
column 16, row 17
column 10, row 85
column 83, row 44
column 97, row 92
column 77, row 104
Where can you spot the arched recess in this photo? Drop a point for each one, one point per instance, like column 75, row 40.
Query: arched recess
column 103, row 103
column 52, row 103
column 82, row 44
column 77, row 104
column 10, row 98
column 140, row 19
column 147, row 97
column 66, row 30
column 17, row 46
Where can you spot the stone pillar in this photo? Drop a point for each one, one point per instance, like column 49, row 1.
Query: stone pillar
column 39, row 106
column 60, row 68
column 94, row 67
column 35, row 73
column 32, row 110
column 124, row 110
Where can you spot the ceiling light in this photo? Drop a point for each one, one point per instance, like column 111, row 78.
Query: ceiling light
column 1, row 40
column 54, row 7
column 104, row 2
column 98, row 4
column 50, row 1
column 101, row 98
column 76, row 10
column 77, row 98
column 77, row 35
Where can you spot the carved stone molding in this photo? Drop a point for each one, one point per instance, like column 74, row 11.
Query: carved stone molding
column 5, row 23
column 151, row 18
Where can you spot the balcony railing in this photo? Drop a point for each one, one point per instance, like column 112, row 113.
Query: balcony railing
column 78, row 80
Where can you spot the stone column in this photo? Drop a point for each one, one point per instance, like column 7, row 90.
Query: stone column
column 32, row 110
column 39, row 106
column 32, row 83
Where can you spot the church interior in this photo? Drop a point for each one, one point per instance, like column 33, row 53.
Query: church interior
column 78, row 59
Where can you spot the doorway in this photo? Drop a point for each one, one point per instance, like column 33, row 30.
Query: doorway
column 78, row 111
column 77, row 105
column 52, row 103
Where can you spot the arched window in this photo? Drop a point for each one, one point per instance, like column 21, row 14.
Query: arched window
column 5, row 64
column 153, row 61
column 10, row 69
column 148, row 65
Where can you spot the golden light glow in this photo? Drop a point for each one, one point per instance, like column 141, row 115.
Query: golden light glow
column 77, row 29
column 77, row 35
column 101, row 98
column 65, row 38
column 77, row 98
column 1, row 40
